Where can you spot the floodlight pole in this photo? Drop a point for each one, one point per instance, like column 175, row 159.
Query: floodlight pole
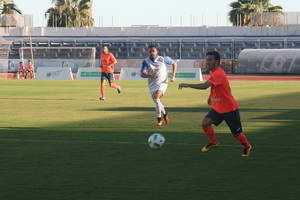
column 31, row 49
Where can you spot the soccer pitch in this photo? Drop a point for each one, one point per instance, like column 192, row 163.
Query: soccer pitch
column 57, row 141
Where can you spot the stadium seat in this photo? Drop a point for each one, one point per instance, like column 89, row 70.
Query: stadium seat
column 138, row 49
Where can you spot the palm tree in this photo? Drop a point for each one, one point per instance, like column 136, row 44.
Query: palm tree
column 9, row 7
column 70, row 13
column 54, row 18
column 242, row 10
column 266, row 6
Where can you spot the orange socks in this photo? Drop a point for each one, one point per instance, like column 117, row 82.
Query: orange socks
column 210, row 133
column 242, row 138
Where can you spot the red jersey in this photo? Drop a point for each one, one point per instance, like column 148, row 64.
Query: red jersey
column 107, row 59
column 221, row 98
column 21, row 67
column 29, row 67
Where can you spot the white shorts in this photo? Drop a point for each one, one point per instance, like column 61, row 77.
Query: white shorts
column 161, row 87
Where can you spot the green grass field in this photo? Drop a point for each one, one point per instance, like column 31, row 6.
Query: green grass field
column 57, row 141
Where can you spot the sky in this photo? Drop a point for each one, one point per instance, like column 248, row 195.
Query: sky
column 154, row 12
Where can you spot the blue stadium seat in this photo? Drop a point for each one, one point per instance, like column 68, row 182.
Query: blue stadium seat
column 138, row 49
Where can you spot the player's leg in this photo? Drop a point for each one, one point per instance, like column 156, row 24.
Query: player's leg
column 211, row 118
column 159, row 107
column 31, row 75
column 102, row 87
column 233, row 121
column 112, row 84
column 163, row 89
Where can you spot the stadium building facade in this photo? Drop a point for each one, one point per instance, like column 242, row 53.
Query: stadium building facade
column 73, row 46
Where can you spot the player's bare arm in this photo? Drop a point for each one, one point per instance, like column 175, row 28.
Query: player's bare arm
column 201, row 86
column 145, row 75
column 113, row 64
column 174, row 67
column 209, row 100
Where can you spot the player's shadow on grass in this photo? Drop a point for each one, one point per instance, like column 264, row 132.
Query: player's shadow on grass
column 290, row 112
column 151, row 109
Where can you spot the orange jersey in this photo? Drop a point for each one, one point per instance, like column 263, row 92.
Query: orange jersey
column 221, row 98
column 30, row 67
column 107, row 59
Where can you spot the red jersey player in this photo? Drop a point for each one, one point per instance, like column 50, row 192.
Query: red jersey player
column 224, row 106
column 30, row 70
column 21, row 71
column 108, row 62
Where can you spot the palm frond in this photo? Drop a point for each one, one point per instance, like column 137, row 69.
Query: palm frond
column 71, row 13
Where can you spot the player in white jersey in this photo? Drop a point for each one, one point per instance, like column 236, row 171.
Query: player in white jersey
column 154, row 68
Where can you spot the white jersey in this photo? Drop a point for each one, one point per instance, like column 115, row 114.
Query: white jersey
column 157, row 69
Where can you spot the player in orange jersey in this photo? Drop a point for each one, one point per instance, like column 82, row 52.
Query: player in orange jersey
column 108, row 62
column 21, row 71
column 223, row 105
column 30, row 70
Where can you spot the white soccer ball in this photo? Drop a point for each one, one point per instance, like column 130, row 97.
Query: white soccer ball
column 156, row 141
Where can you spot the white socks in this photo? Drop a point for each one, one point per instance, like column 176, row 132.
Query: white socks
column 159, row 107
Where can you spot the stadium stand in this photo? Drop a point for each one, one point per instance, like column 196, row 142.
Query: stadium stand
column 130, row 44
column 183, row 49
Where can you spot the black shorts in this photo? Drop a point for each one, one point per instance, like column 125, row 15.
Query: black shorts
column 108, row 76
column 29, row 71
column 232, row 119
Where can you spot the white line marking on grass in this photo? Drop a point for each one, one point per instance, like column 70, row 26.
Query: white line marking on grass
column 136, row 143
